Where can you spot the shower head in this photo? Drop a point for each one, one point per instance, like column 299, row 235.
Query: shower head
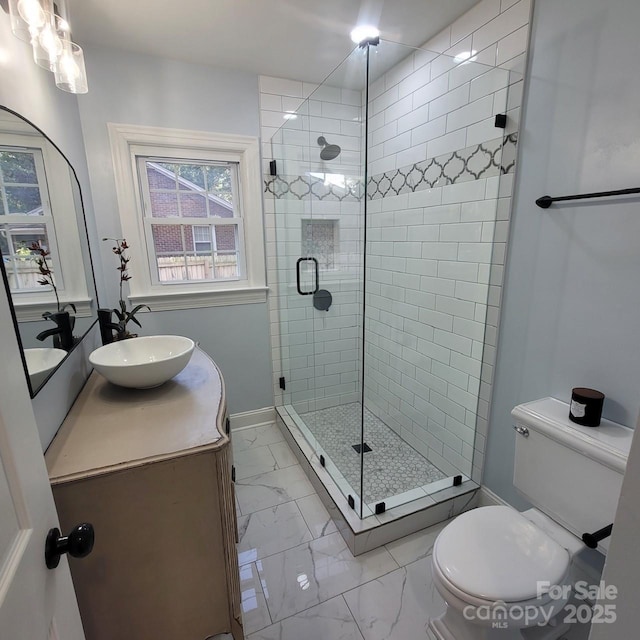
column 329, row 151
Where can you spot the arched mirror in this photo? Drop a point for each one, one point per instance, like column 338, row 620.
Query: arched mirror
column 46, row 262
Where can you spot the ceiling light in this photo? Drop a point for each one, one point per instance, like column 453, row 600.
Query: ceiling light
column 466, row 56
column 364, row 32
column 290, row 115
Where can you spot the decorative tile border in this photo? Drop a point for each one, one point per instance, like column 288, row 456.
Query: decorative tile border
column 509, row 152
column 472, row 163
column 492, row 158
column 309, row 186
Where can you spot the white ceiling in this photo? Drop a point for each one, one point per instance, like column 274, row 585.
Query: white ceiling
column 298, row 39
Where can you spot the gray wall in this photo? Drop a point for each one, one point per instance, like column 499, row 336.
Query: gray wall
column 136, row 89
column 572, row 295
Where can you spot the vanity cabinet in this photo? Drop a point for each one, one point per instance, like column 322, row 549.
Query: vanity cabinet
column 151, row 470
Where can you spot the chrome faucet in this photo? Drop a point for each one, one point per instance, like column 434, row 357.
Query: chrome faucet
column 62, row 333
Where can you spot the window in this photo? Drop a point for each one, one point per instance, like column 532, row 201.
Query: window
column 38, row 198
column 178, row 196
column 191, row 210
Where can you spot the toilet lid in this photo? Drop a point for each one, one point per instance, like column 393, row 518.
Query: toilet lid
column 495, row 553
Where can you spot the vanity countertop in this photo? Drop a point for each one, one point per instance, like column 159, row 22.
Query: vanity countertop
column 111, row 428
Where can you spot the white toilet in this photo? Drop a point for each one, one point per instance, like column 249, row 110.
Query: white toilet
column 488, row 563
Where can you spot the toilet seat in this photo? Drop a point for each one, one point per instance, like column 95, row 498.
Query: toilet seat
column 442, row 582
column 495, row 554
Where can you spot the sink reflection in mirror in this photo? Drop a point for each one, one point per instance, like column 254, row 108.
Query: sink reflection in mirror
column 46, row 263
column 41, row 362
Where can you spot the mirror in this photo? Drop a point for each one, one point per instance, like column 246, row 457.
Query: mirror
column 46, row 262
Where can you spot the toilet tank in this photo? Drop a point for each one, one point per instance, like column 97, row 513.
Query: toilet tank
column 570, row 472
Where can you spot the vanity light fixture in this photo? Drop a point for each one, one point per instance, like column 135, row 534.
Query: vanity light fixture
column 38, row 22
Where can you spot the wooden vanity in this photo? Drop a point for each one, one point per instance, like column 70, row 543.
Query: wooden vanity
column 151, row 471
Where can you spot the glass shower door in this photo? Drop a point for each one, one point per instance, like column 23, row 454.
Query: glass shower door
column 318, row 200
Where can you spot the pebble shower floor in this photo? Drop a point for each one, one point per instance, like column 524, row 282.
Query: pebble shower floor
column 390, row 468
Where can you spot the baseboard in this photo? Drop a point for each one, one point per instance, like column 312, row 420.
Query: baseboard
column 487, row 498
column 255, row 418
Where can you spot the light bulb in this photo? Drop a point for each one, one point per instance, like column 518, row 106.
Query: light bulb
column 50, row 42
column 68, row 68
column 63, row 25
column 47, row 45
column 32, row 13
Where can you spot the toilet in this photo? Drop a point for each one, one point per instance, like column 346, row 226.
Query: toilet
column 493, row 565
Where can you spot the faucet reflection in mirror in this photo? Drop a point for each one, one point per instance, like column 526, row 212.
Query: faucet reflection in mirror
column 36, row 22
column 123, row 315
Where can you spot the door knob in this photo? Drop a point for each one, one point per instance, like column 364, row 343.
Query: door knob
column 78, row 544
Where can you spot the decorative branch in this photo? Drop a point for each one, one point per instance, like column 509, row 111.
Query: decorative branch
column 124, row 316
column 46, row 273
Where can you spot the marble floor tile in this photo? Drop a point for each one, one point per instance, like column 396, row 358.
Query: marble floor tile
column 330, row 620
column 316, row 516
column 415, row 546
column 255, row 437
column 309, row 574
column 283, row 455
column 263, row 533
column 269, row 489
column 255, row 614
column 397, row 606
column 253, row 461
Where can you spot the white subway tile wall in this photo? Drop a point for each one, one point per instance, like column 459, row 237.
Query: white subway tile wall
column 435, row 252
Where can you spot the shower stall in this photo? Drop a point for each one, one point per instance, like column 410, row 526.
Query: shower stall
column 385, row 185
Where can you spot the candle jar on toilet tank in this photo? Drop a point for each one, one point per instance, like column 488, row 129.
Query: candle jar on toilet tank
column 586, row 406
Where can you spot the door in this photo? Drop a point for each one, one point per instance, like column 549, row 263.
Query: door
column 317, row 185
column 35, row 603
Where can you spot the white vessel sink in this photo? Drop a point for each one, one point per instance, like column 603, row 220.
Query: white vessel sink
column 143, row 363
column 41, row 362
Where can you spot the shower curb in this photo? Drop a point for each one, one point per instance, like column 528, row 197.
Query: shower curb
column 362, row 535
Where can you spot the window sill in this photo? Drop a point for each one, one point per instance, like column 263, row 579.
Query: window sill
column 32, row 311
column 200, row 299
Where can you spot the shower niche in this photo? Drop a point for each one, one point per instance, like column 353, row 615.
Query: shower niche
column 386, row 194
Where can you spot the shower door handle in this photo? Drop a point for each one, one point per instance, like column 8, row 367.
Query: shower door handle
column 317, row 283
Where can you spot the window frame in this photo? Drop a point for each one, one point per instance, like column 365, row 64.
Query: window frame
column 131, row 142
